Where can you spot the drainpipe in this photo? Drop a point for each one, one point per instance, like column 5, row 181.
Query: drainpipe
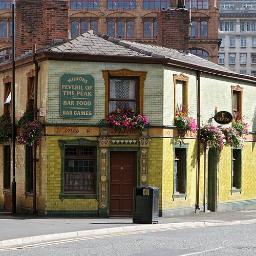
column 35, row 118
column 13, row 115
column 198, row 73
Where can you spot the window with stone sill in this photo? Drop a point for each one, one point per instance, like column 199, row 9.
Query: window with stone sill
column 124, row 90
column 150, row 27
column 197, row 4
column 121, row 4
column 180, row 92
column 254, row 41
column 247, row 25
column 243, row 42
column 121, row 27
column 236, row 101
column 253, row 58
column 5, row 4
column 243, row 58
column 227, row 25
column 156, row 4
column 232, row 58
column 84, row 4
column 236, row 169
column 221, row 58
column 180, row 171
column 232, row 41
column 199, row 29
column 80, row 26
column 80, row 168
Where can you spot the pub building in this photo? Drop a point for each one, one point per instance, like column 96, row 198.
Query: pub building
column 86, row 164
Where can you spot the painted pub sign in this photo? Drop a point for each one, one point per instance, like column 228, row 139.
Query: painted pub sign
column 77, row 95
column 223, row 117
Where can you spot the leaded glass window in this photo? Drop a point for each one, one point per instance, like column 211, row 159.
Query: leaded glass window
column 80, row 166
column 123, row 94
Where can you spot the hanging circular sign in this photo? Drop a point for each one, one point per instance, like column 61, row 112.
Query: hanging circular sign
column 223, row 117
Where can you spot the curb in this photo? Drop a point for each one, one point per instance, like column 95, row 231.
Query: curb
column 25, row 241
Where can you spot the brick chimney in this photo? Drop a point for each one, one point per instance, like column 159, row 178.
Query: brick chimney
column 173, row 28
column 40, row 22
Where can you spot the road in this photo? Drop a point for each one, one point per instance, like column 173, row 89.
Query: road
column 238, row 239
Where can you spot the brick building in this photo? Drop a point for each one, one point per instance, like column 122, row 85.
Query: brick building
column 137, row 20
column 87, row 169
column 81, row 165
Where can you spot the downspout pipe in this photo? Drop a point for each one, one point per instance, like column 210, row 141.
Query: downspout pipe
column 35, row 117
column 13, row 115
column 198, row 85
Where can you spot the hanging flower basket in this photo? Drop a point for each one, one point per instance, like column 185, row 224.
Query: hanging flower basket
column 5, row 128
column 184, row 122
column 240, row 125
column 29, row 130
column 125, row 121
column 212, row 136
column 233, row 137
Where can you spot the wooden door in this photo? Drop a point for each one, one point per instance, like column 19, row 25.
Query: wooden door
column 123, row 165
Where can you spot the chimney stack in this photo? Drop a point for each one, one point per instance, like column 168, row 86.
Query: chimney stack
column 40, row 22
column 173, row 28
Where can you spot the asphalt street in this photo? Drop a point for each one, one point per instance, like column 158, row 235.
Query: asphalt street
column 235, row 239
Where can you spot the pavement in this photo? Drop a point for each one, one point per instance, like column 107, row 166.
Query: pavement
column 18, row 231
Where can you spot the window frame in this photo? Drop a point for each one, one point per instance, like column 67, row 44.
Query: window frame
column 175, row 193
column 153, row 27
column 221, row 62
column 184, row 79
column 125, row 73
column 241, row 55
column 74, row 5
column 126, row 22
column 131, row 5
column 243, row 42
column 77, row 142
column 136, row 100
column 153, row 4
column 79, row 22
column 239, row 92
column 197, row 27
column 234, row 56
column 232, row 42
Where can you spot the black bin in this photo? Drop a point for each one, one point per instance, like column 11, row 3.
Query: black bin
column 146, row 205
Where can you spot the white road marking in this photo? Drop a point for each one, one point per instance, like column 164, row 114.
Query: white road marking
column 195, row 253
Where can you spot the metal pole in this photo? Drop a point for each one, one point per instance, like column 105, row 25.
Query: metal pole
column 198, row 141
column 35, row 118
column 13, row 114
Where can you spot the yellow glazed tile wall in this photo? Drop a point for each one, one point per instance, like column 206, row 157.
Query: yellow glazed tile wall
column 53, row 202
column 155, row 160
column 168, row 172
column 161, row 165
column 248, row 188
